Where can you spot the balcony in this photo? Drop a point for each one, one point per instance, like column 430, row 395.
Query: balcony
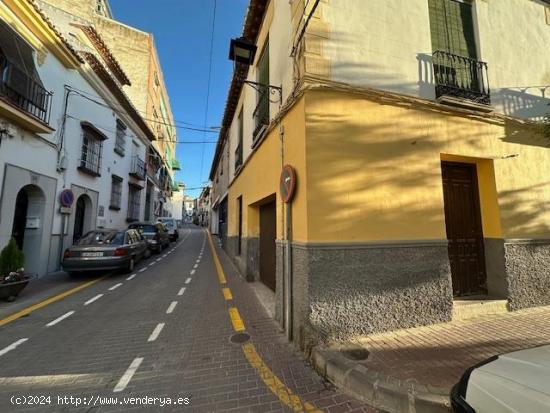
column 19, row 90
column 461, row 78
column 138, row 169
column 175, row 164
column 261, row 115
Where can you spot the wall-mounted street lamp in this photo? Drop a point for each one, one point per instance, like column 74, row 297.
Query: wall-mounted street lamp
column 243, row 51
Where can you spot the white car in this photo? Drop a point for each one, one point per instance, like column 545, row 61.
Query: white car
column 516, row 382
column 171, row 225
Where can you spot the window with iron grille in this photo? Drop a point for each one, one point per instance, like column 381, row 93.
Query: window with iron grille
column 261, row 113
column 239, row 150
column 92, row 143
column 134, row 201
column 120, row 143
column 116, row 192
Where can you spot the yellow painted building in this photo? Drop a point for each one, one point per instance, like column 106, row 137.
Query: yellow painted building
column 419, row 185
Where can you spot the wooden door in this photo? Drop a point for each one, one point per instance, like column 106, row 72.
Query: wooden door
column 464, row 230
column 268, row 260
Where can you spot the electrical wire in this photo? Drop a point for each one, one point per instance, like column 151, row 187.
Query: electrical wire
column 75, row 89
column 209, row 83
column 106, row 129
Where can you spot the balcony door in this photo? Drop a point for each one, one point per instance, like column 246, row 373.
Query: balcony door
column 454, row 45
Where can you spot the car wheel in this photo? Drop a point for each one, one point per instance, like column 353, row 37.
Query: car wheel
column 131, row 264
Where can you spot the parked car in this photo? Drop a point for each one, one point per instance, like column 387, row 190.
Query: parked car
column 513, row 382
column 156, row 235
column 105, row 250
column 172, row 227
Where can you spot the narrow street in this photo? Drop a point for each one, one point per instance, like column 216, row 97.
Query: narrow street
column 162, row 331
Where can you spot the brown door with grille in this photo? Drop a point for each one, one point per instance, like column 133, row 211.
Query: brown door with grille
column 464, row 231
column 268, row 222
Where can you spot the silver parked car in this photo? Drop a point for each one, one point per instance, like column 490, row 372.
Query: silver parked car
column 105, row 250
column 172, row 226
column 156, row 234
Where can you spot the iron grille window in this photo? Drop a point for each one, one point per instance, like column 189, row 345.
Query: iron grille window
column 116, row 193
column 239, row 150
column 134, row 201
column 92, row 143
column 120, row 143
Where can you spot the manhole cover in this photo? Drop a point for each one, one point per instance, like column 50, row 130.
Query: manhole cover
column 239, row 338
column 358, row 354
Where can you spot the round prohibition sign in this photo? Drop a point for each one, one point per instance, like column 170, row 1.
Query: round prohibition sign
column 287, row 185
column 67, row 198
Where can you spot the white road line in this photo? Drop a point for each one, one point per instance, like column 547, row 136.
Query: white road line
column 12, row 346
column 192, row 272
column 127, row 376
column 158, row 260
column 131, row 277
column 195, row 266
column 59, row 319
column 170, row 309
column 150, row 265
column 143, row 269
column 181, row 291
column 188, row 280
column 114, row 287
column 165, row 255
column 91, row 300
column 156, row 332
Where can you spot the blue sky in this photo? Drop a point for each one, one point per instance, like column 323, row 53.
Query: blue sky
column 182, row 30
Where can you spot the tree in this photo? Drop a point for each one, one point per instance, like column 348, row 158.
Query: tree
column 11, row 258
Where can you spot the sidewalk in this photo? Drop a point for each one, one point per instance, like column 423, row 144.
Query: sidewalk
column 41, row 289
column 413, row 370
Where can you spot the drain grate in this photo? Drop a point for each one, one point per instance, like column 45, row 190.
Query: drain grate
column 239, row 338
column 356, row 354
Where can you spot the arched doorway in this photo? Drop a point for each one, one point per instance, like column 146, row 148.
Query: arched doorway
column 28, row 224
column 83, row 210
column 20, row 218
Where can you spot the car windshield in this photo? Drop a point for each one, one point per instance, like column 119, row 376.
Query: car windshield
column 168, row 222
column 102, row 238
column 143, row 227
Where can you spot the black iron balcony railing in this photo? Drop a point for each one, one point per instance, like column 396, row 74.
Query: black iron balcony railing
column 138, row 169
column 238, row 156
column 24, row 92
column 461, row 77
column 261, row 113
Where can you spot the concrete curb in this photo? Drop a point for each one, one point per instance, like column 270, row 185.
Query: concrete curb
column 378, row 390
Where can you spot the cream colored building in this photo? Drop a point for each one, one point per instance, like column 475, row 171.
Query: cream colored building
column 414, row 130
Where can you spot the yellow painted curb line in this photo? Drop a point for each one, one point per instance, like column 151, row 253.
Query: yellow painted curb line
column 274, row 384
column 236, row 320
column 48, row 301
column 227, row 294
column 219, row 269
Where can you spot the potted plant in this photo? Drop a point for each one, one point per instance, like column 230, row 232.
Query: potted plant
column 12, row 274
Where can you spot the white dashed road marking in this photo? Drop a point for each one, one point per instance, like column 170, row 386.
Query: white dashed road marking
column 188, row 280
column 59, row 319
column 12, row 346
column 143, row 269
column 195, row 266
column 91, row 300
column 192, row 272
column 170, row 309
column 181, row 291
column 114, row 287
column 165, row 255
column 131, row 277
column 156, row 332
column 127, row 376
column 158, row 260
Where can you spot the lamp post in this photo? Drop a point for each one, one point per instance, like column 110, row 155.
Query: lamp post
column 243, row 51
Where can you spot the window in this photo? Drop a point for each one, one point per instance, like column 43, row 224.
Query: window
column 240, row 223
column 547, row 13
column 116, row 193
column 261, row 113
column 134, row 202
column 92, row 143
column 120, row 143
column 156, row 79
column 239, row 150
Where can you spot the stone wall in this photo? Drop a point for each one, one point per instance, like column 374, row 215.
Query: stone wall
column 528, row 272
column 342, row 291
